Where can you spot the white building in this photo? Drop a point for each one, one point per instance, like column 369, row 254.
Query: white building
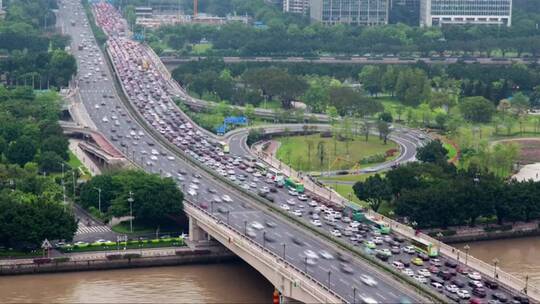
column 355, row 12
column 439, row 12
column 296, row 6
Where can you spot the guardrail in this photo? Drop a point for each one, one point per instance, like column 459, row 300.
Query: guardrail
column 257, row 246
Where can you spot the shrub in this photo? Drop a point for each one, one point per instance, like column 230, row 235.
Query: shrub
column 61, row 259
column 114, row 256
column 132, row 255
column 40, row 261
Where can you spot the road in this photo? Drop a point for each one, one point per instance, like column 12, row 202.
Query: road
column 172, row 62
column 100, row 100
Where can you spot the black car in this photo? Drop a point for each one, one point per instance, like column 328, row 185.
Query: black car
column 452, row 296
column 270, row 198
column 491, row 284
column 297, row 241
column 458, row 283
column 500, row 296
column 522, row 299
column 399, row 239
column 342, row 257
column 382, row 256
column 479, row 292
column 450, row 264
column 423, row 256
column 273, row 190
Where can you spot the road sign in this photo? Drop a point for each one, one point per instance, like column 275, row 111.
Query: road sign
column 46, row 244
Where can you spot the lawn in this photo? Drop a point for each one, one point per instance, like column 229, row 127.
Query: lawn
column 138, row 229
column 294, row 150
column 155, row 243
column 348, row 178
column 201, row 48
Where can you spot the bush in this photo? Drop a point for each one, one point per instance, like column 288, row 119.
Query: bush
column 433, row 234
column 498, row 228
column 377, row 158
column 132, row 255
column 40, row 261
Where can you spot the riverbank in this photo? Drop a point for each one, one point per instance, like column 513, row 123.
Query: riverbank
column 117, row 260
column 486, row 232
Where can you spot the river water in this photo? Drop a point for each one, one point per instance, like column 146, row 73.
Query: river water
column 216, row 283
column 520, row 256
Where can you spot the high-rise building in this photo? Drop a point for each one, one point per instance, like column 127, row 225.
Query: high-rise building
column 439, row 12
column 355, row 12
column 296, row 6
column 404, row 11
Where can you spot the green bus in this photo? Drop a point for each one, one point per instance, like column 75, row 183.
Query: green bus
column 296, row 185
column 426, row 247
column 383, row 227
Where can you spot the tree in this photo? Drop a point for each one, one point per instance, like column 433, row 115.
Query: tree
column 441, row 119
column 371, row 79
column 386, row 117
column 384, row 130
column 50, row 162
column 412, row 87
column 374, row 190
column 249, row 112
column 321, row 152
column 21, row 151
column 477, row 109
column 56, row 144
column 520, row 103
column 433, row 152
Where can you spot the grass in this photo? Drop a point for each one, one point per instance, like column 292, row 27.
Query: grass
column 294, row 151
column 201, row 48
column 348, row 178
column 6, row 253
column 73, row 161
column 137, row 228
column 452, row 152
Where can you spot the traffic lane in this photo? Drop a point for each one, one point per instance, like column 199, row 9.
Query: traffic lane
column 294, row 253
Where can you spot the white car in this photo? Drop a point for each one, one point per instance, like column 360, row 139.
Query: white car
column 369, row 281
column 368, row 300
column 192, row 192
column 293, row 193
column 451, row 288
column 194, row 186
column 336, row 233
column 302, row 197
column 105, row 119
column 424, row 272
column 316, row 223
column 312, row 204
column 257, row 225
column 464, row 294
column 326, row 255
column 284, row 207
column 297, row 212
column 409, row 249
column 408, row 272
column 170, row 157
column 310, row 254
column 420, row 279
column 291, row 202
column 226, row 198
column 475, row 276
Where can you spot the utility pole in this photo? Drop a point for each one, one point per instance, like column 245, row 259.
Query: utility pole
column 130, row 200
column 99, row 198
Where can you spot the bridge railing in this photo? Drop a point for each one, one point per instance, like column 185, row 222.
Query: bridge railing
column 510, row 281
column 258, row 246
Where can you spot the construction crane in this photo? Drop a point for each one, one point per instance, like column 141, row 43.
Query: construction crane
column 195, row 7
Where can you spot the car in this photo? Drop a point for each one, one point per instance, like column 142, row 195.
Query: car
column 251, row 233
column 226, row 198
column 501, row 297
column 326, row 255
column 450, row 263
column 315, row 222
column 408, row 272
column 423, row 256
column 395, row 250
column 479, row 292
column 398, row 265
column 345, row 268
column 451, row 288
column 297, row 212
column 382, row 256
column 302, row 197
column 369, row 281
column 291, row 202
column 336, row 233
column 270, row 224
column 257, row 225
column 370, row 244
column 475, row 284
column 424, row 272
column 310, row 254
column 417, row 261
column 293, row 193
column 297, row 241
column 437, row 286
column 491, row 284
column 313, row 204
column 522, row 299
column 409, row 249
column 420, row 279
column 368, row 300
column 475, row 276
column 284, row 207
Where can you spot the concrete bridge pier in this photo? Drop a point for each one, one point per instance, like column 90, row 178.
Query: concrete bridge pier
column 196, row 234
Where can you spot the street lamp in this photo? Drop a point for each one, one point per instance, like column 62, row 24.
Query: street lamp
column 466, row 247
column 526, row 283
column 228, row 211
column 212, row 207
column 99, row 198
column 354, row 295
column 264, row 239
column 329, row 274
column 284, row 251
column 439, row 236
column 495, row 263
column 245, row 226
column 305, row 262
column 130, row 200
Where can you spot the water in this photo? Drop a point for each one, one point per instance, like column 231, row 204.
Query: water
column 217, row 283
column 519, row 256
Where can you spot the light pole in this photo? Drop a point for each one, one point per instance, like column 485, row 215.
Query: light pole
column 228, row 211
column 329, row 274
column 99, row 198
column 495, row 263
column 130, row 200
column 439, row 236
column 305, row 262
column 354, row 295
column 466, row 247
column 264, row 239
column 62, row 164
column 245, row 226
column 526, row 283
column 212, row 207
column 73, row 181
column 284, row 251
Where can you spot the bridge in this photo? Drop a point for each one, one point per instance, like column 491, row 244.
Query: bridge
column 291, row 274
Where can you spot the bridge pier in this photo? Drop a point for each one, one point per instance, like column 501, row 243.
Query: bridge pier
column 196, row 234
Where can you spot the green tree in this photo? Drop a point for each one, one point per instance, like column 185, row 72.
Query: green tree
column 433, row 152
column 374, row 190
column 21, row 150
column 412, row 87
column 476, row 109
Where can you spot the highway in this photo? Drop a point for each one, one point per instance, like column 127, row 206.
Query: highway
column 100, row 99
column 172, row 62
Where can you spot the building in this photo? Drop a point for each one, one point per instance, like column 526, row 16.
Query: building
column 404, row 11
column 439, row 12
column 143, row 12
column 355, row 12
column 296, row 6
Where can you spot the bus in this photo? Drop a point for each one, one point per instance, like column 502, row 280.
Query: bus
column 383, row 227
column 224, row 147
column 426, row 247
column 261, row 167
column 294, row 184
column 276, row 174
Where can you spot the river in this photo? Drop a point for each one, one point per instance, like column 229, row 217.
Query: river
column 519, row 256
column 215, row 283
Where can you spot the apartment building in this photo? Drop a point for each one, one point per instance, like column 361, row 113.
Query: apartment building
column 355, row 12
column 440, row 12
column 296, row 6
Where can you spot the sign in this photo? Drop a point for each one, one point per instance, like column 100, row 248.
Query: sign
column 235, row 120
column 46, row 244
